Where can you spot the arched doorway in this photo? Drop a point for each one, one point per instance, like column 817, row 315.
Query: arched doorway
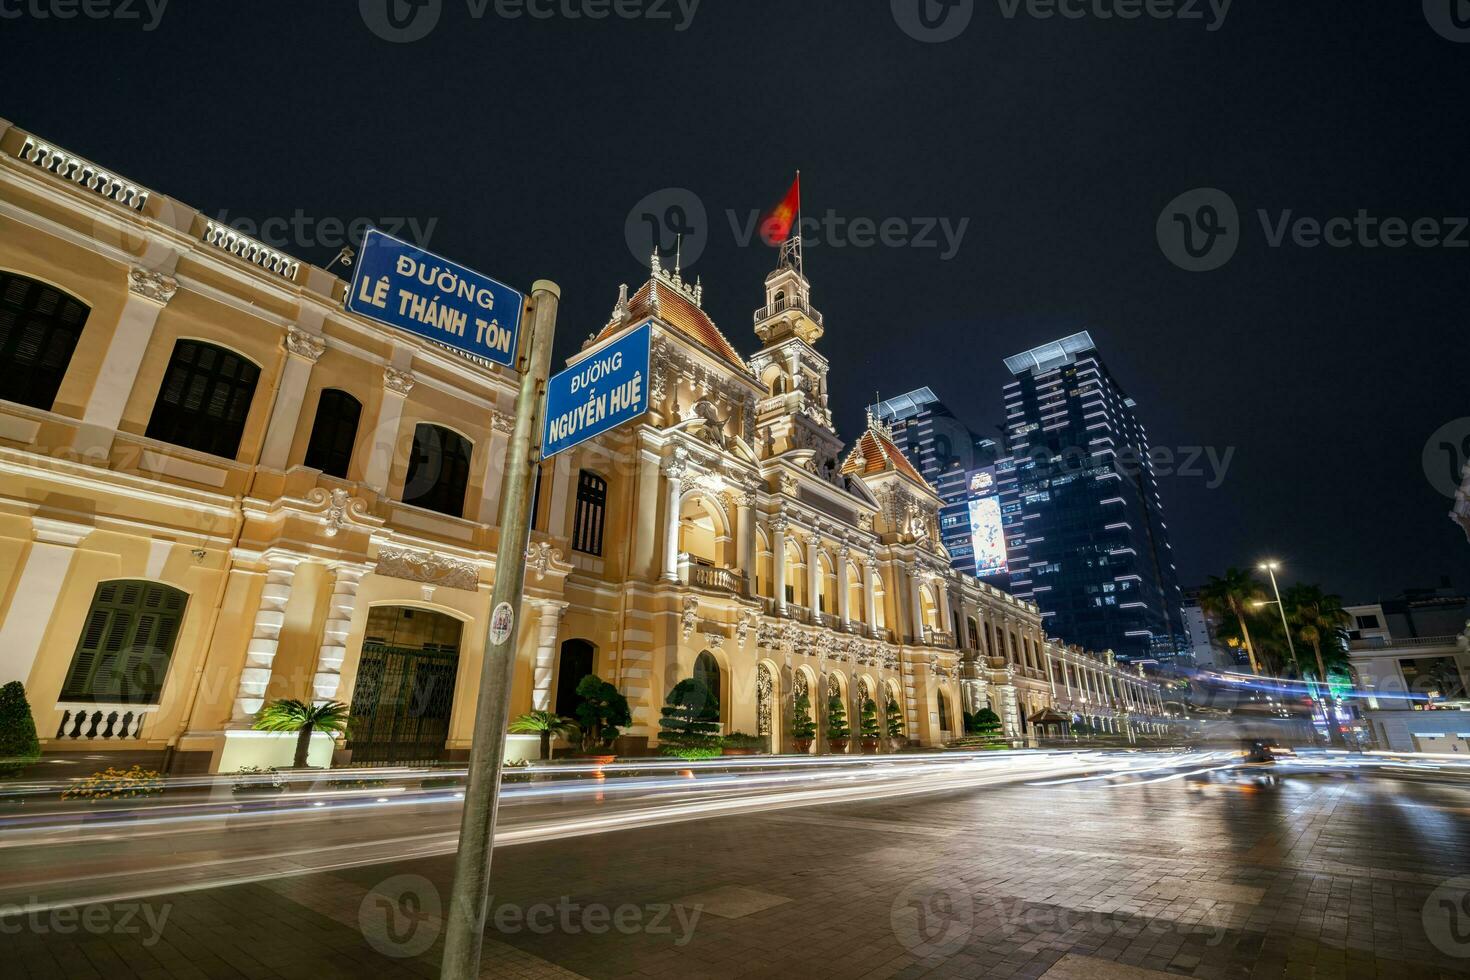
column 704, row 534
column 404, row 693
column 707, row 672
column 574, row 663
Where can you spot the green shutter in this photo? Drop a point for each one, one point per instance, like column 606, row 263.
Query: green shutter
column 127, row 643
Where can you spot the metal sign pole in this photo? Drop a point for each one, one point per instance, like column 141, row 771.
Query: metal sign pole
column 464, row 929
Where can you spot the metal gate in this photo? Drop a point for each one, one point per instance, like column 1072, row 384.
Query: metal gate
column 401, row 705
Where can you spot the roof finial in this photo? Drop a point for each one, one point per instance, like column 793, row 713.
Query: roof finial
column 654, row 263
column 678, row 253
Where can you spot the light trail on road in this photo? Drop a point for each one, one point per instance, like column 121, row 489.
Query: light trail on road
column 60, row 857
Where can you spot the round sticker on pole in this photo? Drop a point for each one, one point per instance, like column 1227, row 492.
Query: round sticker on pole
column 502, row 620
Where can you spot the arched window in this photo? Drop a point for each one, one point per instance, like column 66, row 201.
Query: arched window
column 333, row 433
column 974, row 633
column 127, row 641
column 575, row 664
column 39, row 327
column 943, row 713
column 204, row 400
column 438, row 470
column 707, row 672
column 591, row 511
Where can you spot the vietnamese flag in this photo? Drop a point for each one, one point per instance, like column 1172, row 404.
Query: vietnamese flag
column 776, row 225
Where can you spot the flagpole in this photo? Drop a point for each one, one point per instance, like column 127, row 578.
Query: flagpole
column 800, row 245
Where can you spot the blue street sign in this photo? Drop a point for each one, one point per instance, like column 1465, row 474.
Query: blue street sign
column 600, row 392
column 405, row 287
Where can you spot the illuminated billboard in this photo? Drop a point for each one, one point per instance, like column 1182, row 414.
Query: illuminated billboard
column 988, row 536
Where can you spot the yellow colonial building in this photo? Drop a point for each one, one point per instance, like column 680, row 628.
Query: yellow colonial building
column 218, row 488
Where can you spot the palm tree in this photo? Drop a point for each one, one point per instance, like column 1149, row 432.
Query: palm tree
column 1320, row 619
column 1232, row 595
column 547, row 724
column 303, row 717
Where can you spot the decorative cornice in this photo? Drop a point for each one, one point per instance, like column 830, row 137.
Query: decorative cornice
column 152, row 286
column 302, row 344
column 400, row 382
column 423, row 566
column 541, row 556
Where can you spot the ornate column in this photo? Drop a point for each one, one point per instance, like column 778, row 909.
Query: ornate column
column 501, row 424
column 916, row 605
column 40, row 583
column 148, row 293
column 746, row 557
column 778, row 527
column 265, row 636
column 396, row 386
column 842, row 597
column 303, row 350
column 813, row 575
column 941, row 591
column 326, row 684
column 673, row 472
column 870, row 593
column 548, row 621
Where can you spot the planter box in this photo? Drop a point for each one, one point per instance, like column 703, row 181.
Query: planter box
column 837, row 744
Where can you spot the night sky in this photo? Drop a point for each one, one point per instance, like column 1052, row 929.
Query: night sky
column 528, row 143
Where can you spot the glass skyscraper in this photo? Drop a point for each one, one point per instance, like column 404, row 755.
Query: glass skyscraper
column 960, row 465
column 1084, row 530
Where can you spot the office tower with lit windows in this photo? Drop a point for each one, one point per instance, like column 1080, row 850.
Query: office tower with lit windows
column 1084, row 530
column 959, row 464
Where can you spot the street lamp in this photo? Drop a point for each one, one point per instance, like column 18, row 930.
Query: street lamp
column 1269, row 567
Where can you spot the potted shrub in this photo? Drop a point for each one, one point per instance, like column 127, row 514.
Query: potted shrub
column 894, row 718
column 741, row 743
column 837, row 730
column 985, row 722
column 803, row 728
column 547, row 724
column 690, row 724
column 253, row 779
column 601, row 716
column 868, row 726
column 110, row 787
column 19, row 746
column 303, row 718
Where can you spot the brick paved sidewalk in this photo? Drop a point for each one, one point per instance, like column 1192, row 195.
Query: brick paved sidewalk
column 1307, row 877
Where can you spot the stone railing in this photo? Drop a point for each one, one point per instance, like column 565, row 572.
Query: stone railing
column 108, row 721
column 708, row 577
column 937, row 638
column 83, row 172
column 782, row 305
column 227, row 239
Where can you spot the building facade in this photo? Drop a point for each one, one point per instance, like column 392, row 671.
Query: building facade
column 219, row 488
column 1085, row 535
column 960, row 465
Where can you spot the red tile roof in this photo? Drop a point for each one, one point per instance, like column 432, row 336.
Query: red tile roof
column 679, row 312
column 876, row 453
